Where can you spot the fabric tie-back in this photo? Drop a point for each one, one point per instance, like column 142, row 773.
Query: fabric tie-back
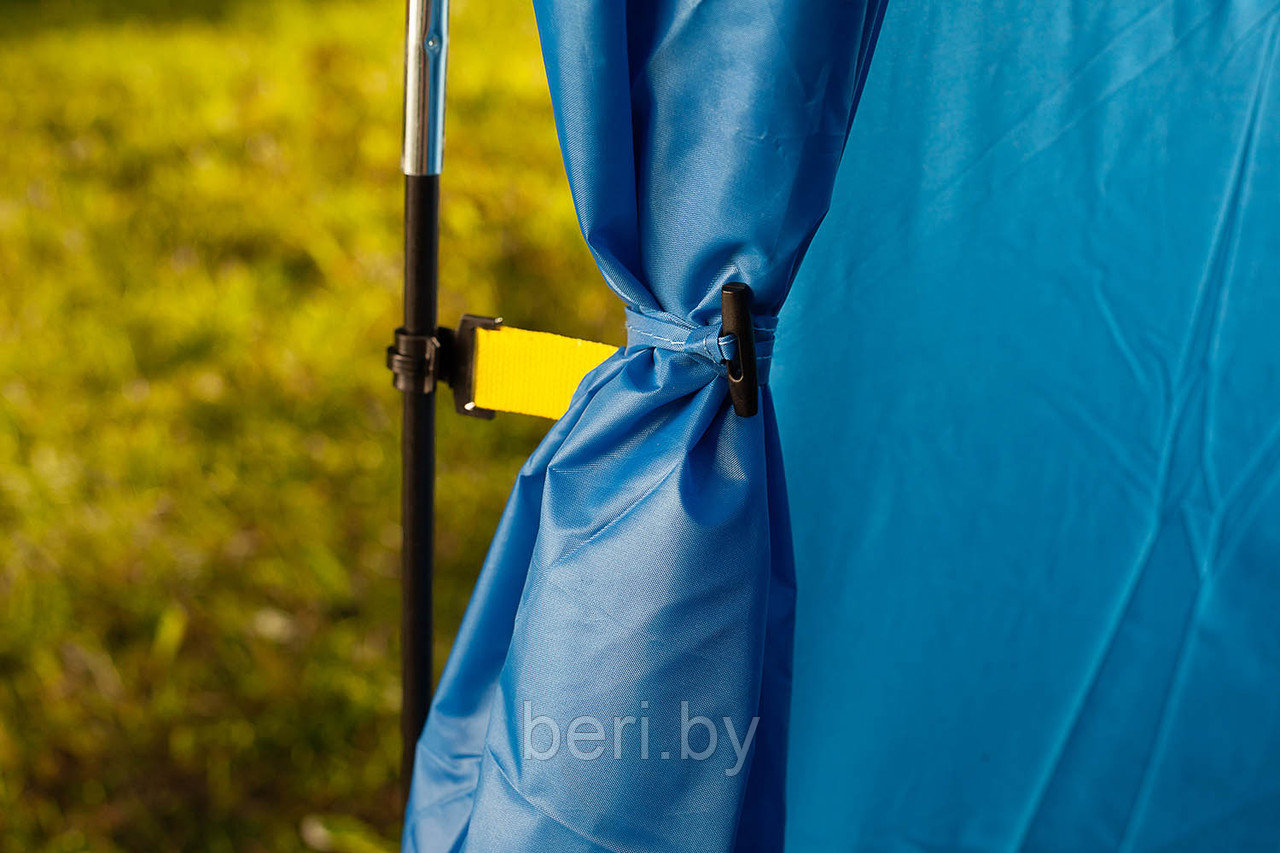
column 642, row 572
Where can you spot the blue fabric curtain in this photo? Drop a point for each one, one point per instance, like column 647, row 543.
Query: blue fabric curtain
column 643, row 567
column 1038, row 557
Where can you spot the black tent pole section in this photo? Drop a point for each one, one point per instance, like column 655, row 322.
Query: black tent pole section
column 421, row 219
column 413, row 357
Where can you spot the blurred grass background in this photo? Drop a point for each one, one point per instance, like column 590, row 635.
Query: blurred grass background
column 199, row 270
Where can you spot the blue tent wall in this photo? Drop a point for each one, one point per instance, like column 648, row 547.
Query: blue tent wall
column 1028, row 385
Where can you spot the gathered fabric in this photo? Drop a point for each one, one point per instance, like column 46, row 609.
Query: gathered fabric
column 640, row 587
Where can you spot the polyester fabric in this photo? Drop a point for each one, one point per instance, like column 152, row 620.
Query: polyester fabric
column 1037, row 340
column 643, row 567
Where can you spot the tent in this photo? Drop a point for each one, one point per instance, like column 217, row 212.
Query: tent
column 1011, row 293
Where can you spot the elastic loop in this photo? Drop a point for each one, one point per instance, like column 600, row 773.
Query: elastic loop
column 669, row 332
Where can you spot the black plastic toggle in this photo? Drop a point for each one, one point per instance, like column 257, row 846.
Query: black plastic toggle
column 735, row 313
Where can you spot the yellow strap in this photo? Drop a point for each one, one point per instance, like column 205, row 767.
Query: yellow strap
column 532, row 373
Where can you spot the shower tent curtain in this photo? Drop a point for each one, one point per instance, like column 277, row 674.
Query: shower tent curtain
column 1048, row 289
column 642, row 572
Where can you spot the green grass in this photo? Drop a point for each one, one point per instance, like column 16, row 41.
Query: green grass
column 199, row 269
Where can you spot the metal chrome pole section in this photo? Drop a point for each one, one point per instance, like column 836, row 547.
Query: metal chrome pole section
column 425, row 43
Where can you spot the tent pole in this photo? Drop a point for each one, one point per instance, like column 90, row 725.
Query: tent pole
column 422, row 194
column 413, row 357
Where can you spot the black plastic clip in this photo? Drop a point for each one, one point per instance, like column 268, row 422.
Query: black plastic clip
column 458, row 362
column 417, row 362
column 412, row 359
column 735, row 314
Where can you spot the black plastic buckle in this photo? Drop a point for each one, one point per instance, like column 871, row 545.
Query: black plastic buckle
column 458, row 364
column 735, row 319
column 412, row 359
